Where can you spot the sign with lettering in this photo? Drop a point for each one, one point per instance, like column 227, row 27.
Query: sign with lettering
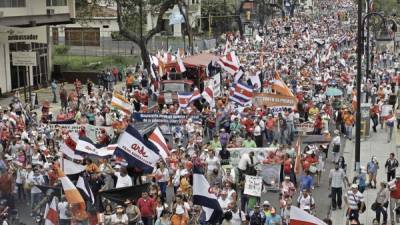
column 28, row 35
column 274, row 100
column 163, row 118
column 253, row 185
column 24, row 58
column 91, row 131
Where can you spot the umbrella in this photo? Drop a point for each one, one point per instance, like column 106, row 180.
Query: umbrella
column 301, row 217
column 333, row 92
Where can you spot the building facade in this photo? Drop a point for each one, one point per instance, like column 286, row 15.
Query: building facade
column 24, row 27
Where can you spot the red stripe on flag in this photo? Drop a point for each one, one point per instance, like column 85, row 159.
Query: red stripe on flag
column 52, row 215
column 243, row 91
column 156, row 139
column 300, row 222
column 235, row 68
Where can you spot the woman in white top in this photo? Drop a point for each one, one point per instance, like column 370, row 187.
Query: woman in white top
column 162, row 177
column 212, row 163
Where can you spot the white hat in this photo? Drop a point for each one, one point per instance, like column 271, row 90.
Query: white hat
column 309, row 152
column 354, row 186
column 117, row 167
column 266, row 202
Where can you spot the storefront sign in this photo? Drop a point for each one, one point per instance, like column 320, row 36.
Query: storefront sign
column 24, row 58
column 274, row 100
column 28, row 35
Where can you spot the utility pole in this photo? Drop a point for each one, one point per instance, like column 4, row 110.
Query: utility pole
column 367, row 58
column 358, row 80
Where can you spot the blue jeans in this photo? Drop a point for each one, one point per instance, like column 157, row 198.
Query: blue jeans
column 163, row 188
column 269, row 136
column 349, row 131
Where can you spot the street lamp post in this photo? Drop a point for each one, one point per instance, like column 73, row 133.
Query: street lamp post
column 367, row 52
column 360, row 37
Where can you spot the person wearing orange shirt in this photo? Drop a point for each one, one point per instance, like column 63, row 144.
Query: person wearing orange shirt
column 269, row 127
column 180, row 216
column 129, row 82
column 374, row 116
column 348, row 123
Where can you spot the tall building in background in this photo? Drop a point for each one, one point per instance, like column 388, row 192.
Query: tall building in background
column 25, row 48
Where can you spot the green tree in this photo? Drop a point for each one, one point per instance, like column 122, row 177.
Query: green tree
column 389, row 7
column 131, row 17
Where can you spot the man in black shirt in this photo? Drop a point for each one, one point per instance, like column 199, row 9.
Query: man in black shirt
column 224, row 155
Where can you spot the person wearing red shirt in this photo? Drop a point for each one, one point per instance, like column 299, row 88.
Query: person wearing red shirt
column 318, row 125
column 147, row 208
column 269, row 127
column 309, row 160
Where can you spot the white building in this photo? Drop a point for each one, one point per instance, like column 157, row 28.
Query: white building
column 24, row 28
column 101, row 26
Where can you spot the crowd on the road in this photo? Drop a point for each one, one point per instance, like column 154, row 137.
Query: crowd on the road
column 310, row 54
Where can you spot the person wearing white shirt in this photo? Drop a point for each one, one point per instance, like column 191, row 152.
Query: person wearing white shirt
column 223, row 201
column 306, row 201
column 258, row 135
column 336, row 146
column 244, row 162
column 119, row 218
column 162, row 176
column 35, row 178
column 63, row 212
column 123, row 179
column 238, row 216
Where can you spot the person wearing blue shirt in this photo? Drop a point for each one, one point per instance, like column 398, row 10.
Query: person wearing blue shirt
column 54, row 90
column 306, row 181
column 273, row 219
column 372, row 170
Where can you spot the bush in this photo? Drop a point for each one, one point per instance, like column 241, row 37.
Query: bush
column 61, row 49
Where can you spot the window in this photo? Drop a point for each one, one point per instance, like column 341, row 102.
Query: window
column 12, row 3
column 56, row 2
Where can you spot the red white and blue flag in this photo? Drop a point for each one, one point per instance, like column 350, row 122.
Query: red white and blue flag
column 184, row 99
column 208, row 94
column 203, row 196
column 136, row 150
column 241, row 93
column 195, row 95
column 230, row 63
column 158, row 140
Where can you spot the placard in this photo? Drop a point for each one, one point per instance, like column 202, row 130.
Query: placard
column 91, row 131
column 386, row 110
column 274, row 100
column 253, row 185
column 163, row 118
column 271, row 175
column 215, row 82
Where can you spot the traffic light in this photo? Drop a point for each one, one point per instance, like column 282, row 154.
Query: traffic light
column 248, row 15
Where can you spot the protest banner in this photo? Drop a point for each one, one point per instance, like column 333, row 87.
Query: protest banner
column 274, row 100
column 163, row 118
column 253, row 185
column 260, row 154
column 91, row 131
column 168, row 123
column 386, row 110
column 305, row 127
column 271, row 176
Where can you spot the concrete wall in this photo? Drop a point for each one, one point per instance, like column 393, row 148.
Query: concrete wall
column 38, row 7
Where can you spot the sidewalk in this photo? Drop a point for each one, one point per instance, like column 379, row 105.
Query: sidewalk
column 375, row 145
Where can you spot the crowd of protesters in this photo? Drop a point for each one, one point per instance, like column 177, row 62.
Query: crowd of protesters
column 309, row 53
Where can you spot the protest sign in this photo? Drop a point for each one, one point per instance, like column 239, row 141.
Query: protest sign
column 274, row 100
column 163, row 118
column 253, row 185
column 386, row 110
column 271, row 175
column 260, row 154
column 91, row 131
column 305, row 127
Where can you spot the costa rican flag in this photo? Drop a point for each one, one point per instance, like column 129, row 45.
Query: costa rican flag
column 230, row 63
column 136, row 151
column 86, row 146
column 241, row 93
column 195, row 95
column 51, row 213
column 301, row 217
column 203, row 196
column 208, row 94
column 184, row 99
column 158, row 140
